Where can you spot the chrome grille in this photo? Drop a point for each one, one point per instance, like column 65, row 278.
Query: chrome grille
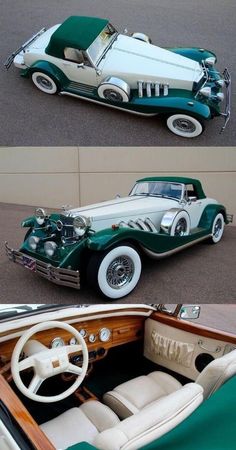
column 149, row 88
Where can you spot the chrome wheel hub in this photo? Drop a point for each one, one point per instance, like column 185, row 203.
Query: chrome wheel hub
column 120, row 272
column 46, row 84
column 113, row 96
column 184, row 125
column 217, row 228
column 181, row 227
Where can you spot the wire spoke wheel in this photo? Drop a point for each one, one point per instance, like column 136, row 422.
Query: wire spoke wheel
column 120, row 272
column 181, row 227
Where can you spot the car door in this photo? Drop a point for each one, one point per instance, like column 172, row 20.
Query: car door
column 182, row 346
column 76, row 71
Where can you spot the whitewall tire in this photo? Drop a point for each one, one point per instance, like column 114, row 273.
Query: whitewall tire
column 44, row 83
column 114, row 90
column 180, row 225
column 115, row 273
column 217, row 228
column 184, row 125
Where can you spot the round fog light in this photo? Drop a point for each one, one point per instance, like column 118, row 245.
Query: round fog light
column 206, row 91
column 33, row 242
column 50, row 248
column 220, row 96
column 220, row 83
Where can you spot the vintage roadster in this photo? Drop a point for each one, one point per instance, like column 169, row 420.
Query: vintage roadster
column 86, row 57
column 122, row 377
column 104, row 241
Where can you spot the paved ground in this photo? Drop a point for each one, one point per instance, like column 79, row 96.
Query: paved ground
column 30, row 117
column 202, row 274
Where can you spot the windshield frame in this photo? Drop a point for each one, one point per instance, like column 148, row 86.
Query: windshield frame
column 152, row 194
column 95, row 60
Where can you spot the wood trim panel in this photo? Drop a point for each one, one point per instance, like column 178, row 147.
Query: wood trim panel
column 190, row 327
column 23, row 418
column 123, row 330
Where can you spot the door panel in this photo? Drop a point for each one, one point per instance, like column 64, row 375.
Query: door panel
column 185, row 352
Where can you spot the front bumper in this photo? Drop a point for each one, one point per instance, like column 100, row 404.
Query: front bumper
column 57, row 275
column 226, row 113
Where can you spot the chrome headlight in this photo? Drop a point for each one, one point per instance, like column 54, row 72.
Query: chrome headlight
column 210, row 61
column 220, row 83
column 33, row 242
column 206, row 91
column 40, row 216
column 81, row 224
column 220, row 96
column 50, row 248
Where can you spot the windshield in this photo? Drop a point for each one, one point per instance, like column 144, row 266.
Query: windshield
column 15, row 311
column 101, row 44
column 159, row 189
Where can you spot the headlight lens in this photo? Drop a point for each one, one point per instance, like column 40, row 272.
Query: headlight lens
column 206, row 91
column 50, row 248
column 81, row 224
column 33, row 242
column 210, row 61
column 40, row 216
column 220, row 83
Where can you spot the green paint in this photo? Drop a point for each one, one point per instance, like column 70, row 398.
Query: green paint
column 210, row 427
column 209, row 214
column 82, row 446
column 184, row 180
column 49, row 69
column 194, row 53
column 76, row 32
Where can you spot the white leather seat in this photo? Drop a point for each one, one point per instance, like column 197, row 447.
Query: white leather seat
column 79, row 424
column 134, row 395
column 96, row 424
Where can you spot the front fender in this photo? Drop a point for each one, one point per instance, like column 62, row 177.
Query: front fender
column 209, row 214
column 177, row 102
column 195, row 53
column 29, row 222
column 49, row 69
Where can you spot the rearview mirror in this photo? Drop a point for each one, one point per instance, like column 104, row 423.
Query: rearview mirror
column 190, row 312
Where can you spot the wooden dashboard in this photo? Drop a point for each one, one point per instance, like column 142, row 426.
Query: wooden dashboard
column 121, row 330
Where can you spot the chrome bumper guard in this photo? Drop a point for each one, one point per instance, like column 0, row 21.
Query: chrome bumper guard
column 229, row 218
column 10, row 58
column 226, row 114
column 57, row 275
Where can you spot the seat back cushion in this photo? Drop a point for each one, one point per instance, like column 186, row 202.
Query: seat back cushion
column 217, row 372
column 153, row 421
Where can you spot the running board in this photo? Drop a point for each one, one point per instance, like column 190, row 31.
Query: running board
column 107, row 104
column 154, row 255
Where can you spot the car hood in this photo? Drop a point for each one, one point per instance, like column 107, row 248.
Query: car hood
column 134, row 60
column 122, row 208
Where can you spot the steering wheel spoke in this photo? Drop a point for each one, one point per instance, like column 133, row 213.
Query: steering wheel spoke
column 35, row 384
column 73, row 348
column 26, row 363
column 76, row 370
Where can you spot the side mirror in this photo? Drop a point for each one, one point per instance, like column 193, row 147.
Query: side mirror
column 80, row 66
column 192, row 199
column 190, row 312
column 117, row 196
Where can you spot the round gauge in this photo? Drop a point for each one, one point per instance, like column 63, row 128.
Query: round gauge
column 73, row 341
column 83, row 332
column 57, row 342
column 104, row 334
column 92, row 338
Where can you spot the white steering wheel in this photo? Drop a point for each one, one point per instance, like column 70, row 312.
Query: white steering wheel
column 47, row 362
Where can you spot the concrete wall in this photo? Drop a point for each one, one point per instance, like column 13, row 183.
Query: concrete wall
column 77, row 176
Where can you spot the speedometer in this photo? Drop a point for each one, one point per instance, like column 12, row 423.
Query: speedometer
column 104, row 334
column 57, row 342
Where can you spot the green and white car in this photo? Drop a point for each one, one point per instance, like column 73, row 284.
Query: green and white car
column 86, row 57
column 104, row 242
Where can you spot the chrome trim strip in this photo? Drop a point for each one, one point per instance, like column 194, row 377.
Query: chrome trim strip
column 106, row 104
column 57, row 275
column 175, row 250
column 226, row 113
